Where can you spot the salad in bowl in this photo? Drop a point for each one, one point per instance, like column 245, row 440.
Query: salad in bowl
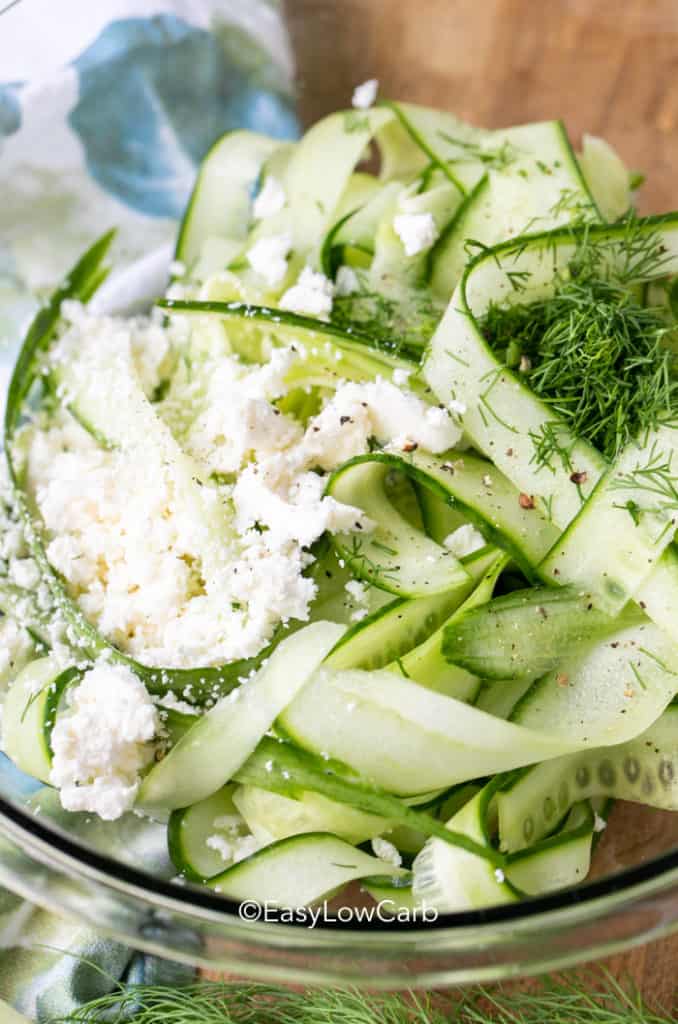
column 351, row 557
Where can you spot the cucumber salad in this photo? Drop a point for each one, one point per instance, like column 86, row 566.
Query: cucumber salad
column 353, row 558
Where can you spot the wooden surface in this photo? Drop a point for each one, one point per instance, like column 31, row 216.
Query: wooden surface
column 609, row 67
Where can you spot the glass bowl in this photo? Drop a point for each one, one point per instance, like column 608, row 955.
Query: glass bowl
column 495, row 64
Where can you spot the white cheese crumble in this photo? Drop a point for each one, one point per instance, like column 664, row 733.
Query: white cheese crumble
column 359, row 594
column 456, row 407
column 599, row 823
column 311, row 295
column 233, row 850
column 268, row 257
column 347, row 281
column 365, row 94
column 103, row 741
column 233, row 841
column 16, row 649
column 270, row 199
column 133, row 555
column 378, row 409
column 401, row 377
column 464, row 540
column 387, row 852
column 417, row 231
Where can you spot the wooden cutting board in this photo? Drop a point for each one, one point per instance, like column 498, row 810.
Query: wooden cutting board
column 608, row 67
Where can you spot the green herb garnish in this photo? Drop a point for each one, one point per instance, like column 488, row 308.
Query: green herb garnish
column 595, row 999
column 592, row 350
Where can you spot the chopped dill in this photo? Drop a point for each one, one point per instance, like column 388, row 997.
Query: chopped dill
column 396, row 324
column 655, row 477
column 591, row 997
column 498, row 159
column 591, row 350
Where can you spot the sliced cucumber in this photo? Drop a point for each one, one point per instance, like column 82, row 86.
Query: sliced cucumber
column 631, row 505
column 29, row 714
column 503, row 416
column 351, row 355
column 394, row 556
column 607, row 177
column 427, row 741
column 523, row 635
column 534, row 181
column 426, row 663
column 607, row 694
column 189, row 829
column 297, row 871
column 439, row 518
column 467, row 484
column 558, row 862
column 213, row 749
column 392, row 896
column 392, row 630
column 220, row 205
column 500, row 698
column 278, row 816
column 450, row 879
column 282, row 768
column 644, row 770
column 357, row 229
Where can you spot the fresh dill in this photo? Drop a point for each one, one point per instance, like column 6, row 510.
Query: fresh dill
column 551, row 441
column 591, row 349
column 498, row 158
column 355, row 122
column 365, row 565
column 655, row 477
column 595, row 997
column 401, row 324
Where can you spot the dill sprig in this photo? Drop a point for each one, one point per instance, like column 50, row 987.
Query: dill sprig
column 577, row 1000
column 397, row 325
column 591, row 350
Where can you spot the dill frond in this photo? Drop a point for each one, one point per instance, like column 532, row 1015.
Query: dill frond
column 577, row 1000
column 592, row 350
column 402, row 325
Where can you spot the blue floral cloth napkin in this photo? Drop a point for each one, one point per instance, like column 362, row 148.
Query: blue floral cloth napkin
column 106, row 109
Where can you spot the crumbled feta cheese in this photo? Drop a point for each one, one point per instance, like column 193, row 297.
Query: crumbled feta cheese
column 221, row 846
column 599, row 824
column 170, row 702
column 347, row 281
column 401, row 377
column 298, row 512
column 24, row 573
column 464, row 541
column 17, row 648
column 357, row 590
column 102, row 741
column 386, row 851
column 499, row 875
column 268, row 257
column 364, row 95
column 417, row 231
column 359, row 595
column 312, row 294
column 133, row 554
column 270, row 199
column 378, row 408
column 232, row 851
